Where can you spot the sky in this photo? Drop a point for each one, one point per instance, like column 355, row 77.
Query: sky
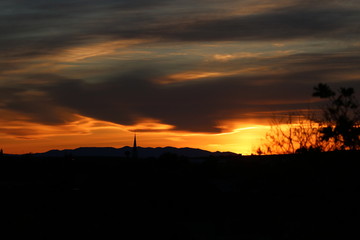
column 206, row 74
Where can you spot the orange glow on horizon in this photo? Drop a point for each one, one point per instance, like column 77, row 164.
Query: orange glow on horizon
column 25, row 137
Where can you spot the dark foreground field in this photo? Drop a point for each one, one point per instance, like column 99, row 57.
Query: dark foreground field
column 267, row 197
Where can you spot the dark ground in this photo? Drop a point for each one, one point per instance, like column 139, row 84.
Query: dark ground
column 258, row 197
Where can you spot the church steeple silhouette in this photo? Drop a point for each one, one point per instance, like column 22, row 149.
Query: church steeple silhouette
column 134, row 149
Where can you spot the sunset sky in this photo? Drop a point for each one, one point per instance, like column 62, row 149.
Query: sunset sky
column 206, row 74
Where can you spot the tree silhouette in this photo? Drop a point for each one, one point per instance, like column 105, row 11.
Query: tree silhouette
column 340, row 117
column 335, row 127
column 293, row 133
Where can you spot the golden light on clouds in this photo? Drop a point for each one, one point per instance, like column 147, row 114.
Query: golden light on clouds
column 188, row 76
column 198, row 75
column 223, row 57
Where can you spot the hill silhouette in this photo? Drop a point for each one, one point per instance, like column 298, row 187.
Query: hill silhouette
column 143, row 152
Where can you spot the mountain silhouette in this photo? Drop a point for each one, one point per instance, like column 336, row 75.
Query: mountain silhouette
column 143, row 152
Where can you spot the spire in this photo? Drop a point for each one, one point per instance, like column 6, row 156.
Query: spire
column 134, row 150
column 134, row 146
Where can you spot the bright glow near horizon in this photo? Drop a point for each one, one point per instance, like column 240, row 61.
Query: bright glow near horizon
column 101, row 134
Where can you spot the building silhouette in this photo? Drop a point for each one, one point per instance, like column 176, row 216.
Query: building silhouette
column 134, row 149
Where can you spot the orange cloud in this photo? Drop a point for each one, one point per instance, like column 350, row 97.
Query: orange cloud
column 81, row 126
column 67, row 57
column 198, row 75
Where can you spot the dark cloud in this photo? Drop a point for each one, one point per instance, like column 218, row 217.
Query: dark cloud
column 197, row 106
column 36, row 28
column 277, row 25
column 28, row 102
column 193, row 107
column 77, row 5
column 31, row 28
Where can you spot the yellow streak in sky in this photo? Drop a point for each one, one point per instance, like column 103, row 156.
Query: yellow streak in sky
column 198, row 75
